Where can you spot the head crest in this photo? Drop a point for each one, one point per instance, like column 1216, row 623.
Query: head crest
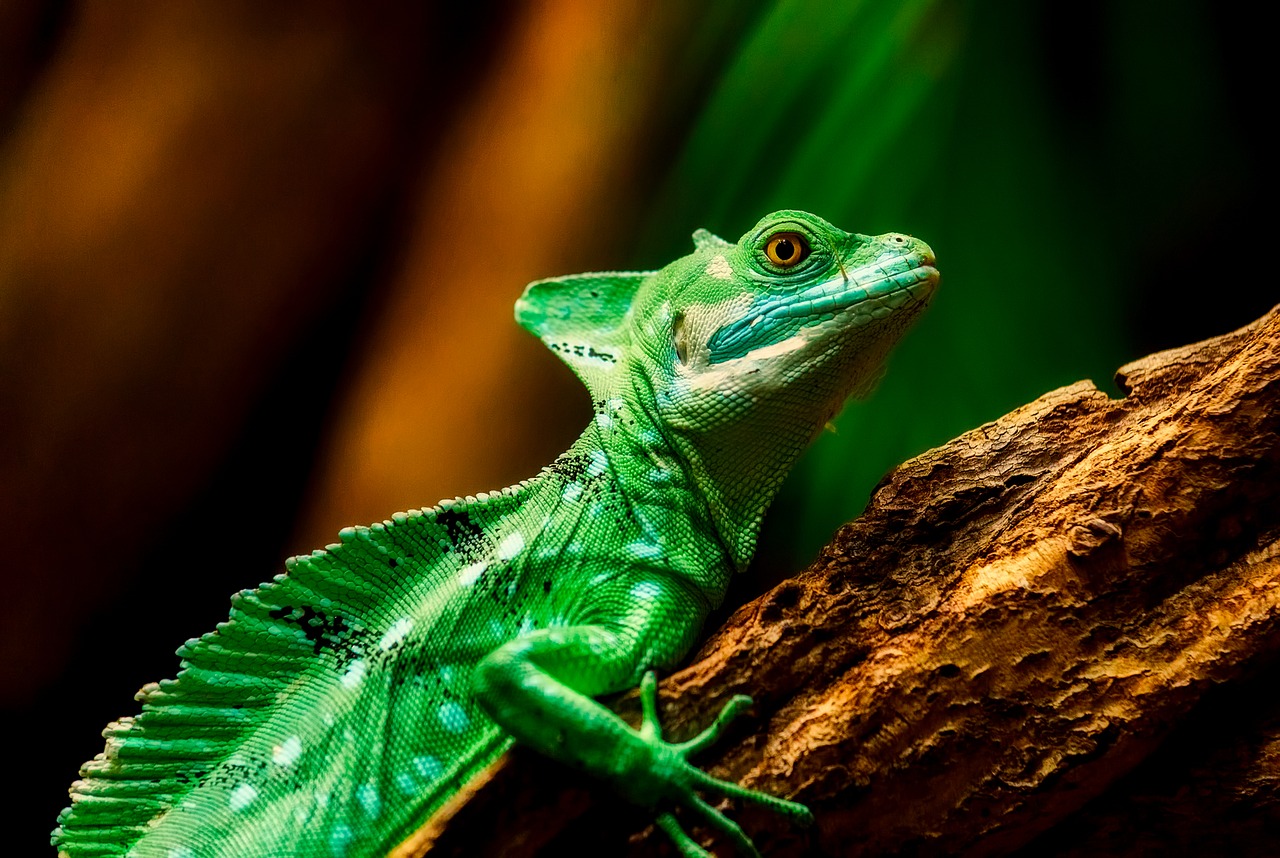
column 704, row 239
column 582, row 318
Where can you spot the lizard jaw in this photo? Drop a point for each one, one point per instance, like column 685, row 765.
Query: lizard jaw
column 855, row 298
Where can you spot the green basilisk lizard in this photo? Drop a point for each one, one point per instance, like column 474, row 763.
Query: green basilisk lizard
column 343, row 702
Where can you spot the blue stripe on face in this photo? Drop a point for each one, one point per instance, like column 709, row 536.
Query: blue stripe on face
column 773, row 318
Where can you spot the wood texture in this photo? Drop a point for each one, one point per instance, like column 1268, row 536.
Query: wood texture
column 1057, row 631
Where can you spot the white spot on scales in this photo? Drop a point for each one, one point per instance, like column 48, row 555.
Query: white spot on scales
column 511, row 546
column 354, row 675
column 287, row 752
column 720, row 269
column 428, row 767
column 453, row 717
column 367, row 795
column 468, row 575
column 645, row 591
column 242, row 796
column 339, row 838
column 396, row 633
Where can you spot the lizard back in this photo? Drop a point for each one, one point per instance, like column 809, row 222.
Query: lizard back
column 331, row 711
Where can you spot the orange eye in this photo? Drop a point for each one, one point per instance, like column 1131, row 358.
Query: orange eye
column 786, row 249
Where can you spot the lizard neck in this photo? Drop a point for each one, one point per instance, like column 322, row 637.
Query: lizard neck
column 627, row 444
column 740, row 474
column 719, row 486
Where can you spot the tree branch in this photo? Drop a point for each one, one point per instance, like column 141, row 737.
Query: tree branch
column 1018, row 620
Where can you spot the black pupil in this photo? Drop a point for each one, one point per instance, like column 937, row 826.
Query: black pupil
column 784, row 249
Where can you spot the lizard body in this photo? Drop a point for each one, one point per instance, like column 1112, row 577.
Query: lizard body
column 344, row 701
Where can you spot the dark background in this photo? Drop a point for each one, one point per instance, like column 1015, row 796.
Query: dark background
column 257, row 262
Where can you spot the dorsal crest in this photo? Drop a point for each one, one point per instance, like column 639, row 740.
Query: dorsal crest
column 583, row 319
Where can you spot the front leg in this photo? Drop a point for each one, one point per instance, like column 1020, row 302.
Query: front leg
column 539, row 688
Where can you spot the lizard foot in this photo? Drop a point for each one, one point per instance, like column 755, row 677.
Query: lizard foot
column 681, row 788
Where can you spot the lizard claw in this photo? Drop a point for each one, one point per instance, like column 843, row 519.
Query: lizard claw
column 684, row 844
column 651, row 730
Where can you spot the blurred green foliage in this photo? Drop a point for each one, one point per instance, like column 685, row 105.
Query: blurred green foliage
column 1041, row 152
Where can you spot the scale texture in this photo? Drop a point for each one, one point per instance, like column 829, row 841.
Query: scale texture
column 343, row 702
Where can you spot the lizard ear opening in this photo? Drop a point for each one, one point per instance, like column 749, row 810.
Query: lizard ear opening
column 582, row 318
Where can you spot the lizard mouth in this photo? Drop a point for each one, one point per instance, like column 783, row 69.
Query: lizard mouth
column 857, row 297
column 873, row 286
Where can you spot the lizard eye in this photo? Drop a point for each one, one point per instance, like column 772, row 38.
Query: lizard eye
column 786, row 249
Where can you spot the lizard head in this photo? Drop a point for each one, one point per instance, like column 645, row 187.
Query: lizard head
column 795, row 303
column 741, row 351
column 781, row 327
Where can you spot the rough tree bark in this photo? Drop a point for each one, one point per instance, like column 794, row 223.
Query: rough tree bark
column 1078, row 601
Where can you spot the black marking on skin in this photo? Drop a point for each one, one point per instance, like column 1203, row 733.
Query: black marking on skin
column 598, row 355
column 582, row 350
column 468, row 538
column 327, row 632
column 615, row 504
column 417, row 668
column 407, row 669
column 571, row 466
column 192, row 774
column 256, row 771
column 232, row 774
column 502, row 585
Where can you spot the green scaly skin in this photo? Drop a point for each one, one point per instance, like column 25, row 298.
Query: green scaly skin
column 347, row 699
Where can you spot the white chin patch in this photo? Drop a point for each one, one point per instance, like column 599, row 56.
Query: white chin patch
column 761, row 367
